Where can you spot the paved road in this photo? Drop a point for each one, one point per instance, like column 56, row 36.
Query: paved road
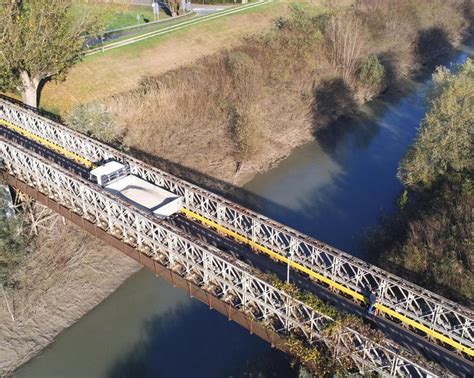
column 401, row 335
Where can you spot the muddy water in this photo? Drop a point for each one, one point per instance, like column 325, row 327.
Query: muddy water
column 333, row 189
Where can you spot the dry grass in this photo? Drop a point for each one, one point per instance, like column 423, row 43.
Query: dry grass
column 120, row 70
column 67, row 274
column 218, row 111
column 234, row 113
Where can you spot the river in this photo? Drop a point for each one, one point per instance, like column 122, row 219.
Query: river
column 333, row 189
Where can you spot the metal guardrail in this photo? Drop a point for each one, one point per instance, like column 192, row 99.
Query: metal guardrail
column 107, row 36
column 204, row 265
column 181, row 25
column 157, row 22
column 432, row 314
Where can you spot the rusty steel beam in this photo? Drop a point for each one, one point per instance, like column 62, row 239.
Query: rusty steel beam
column 194, row 291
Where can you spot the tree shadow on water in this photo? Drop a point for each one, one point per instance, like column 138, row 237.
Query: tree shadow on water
column 338, row 123
column 352, row 127
column 346, row 132
column 332, row 99
column 432, row 43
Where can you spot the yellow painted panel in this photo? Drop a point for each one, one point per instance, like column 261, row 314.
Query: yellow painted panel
column 53, row 146
column 330, row 282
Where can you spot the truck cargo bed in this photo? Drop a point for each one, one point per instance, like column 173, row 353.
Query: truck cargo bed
column 146, row 195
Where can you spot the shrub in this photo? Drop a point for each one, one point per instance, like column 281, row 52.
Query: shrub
column 13, row 242
column 371, row 72
column 95, row 120
column 445, row 143
column 430, row 240
column 345, row 40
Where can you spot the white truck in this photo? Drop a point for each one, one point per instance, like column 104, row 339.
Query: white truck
column 115, row 177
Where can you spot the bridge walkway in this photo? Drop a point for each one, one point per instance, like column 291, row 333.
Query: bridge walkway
column 401, row 335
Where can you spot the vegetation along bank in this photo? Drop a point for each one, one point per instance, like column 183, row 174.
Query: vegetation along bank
column 430, row 239
column 241, row 110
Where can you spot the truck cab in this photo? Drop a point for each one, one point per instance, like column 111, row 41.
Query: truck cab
column 115, row 177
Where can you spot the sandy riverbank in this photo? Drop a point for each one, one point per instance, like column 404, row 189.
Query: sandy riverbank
column 76, row 273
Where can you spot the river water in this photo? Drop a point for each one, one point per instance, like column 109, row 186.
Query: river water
column 333, row 189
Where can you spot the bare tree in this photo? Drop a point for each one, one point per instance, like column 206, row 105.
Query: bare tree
column 344, row 44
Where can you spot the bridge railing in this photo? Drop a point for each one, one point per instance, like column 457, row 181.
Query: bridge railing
column 428, row 312
column 214, row 271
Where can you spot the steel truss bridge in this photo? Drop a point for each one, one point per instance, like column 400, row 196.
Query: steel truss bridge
column 51, row 163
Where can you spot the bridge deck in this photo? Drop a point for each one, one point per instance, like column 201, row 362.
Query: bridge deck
column 403, row 336
column 233, row 282
column 70, row 160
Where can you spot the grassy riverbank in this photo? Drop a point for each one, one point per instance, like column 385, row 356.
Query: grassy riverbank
column 241, row 109
column 430, row 239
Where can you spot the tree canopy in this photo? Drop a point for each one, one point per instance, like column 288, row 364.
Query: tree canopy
column 445, row 143
column 40, row 40
column 430, row 240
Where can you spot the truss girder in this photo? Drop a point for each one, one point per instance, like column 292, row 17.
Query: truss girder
column 429, row 309
column 227, row 278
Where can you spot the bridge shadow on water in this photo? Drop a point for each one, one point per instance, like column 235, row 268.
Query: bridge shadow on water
column 181, row 342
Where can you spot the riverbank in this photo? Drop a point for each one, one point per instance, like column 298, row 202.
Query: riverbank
column 428, row 240
column 55, row 308
column 66, row 275
column 242, row 110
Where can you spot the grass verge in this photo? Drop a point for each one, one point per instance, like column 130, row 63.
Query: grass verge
column 115, row 71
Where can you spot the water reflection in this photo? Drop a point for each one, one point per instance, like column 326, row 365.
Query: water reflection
column 293, row 185
column 333, row 189
column 149, row 329
column 177, row 345
column 111, row 330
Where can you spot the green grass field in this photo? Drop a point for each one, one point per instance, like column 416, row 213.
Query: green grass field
column 218, row 25
column 105, row 74
column 117, row 16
